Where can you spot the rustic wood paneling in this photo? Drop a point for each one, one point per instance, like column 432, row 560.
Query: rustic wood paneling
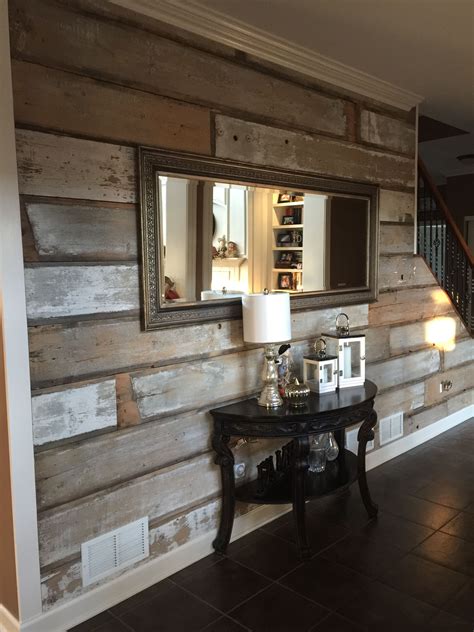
column 269, row 146
column 60, row 166
column 388, row 132
column 115, row 346
column 462, row 379
column 428, row 416
column 400, row 399
column 59, row 291
column 73, row 411
column 463, row 352
column 377, row 343
column 399, row 271
column 405, row 338
column 405, row 305
column 127, row 409
column 396, row 239
column 121, row 54
column 73, row 471
column 65, row 102
column 403, row 369
column 395, row 206
column 81, row 232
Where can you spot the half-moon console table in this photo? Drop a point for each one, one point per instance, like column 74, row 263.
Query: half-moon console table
column 331, row 412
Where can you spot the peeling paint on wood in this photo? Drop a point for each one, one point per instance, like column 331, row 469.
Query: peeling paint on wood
column 123, row 55
column 396, row 239
column 403, row 369
column 269, row 146
column 395, row 206
column 73, row 411
column 70, row 232
column 62, row 291
column 127, row 409
column 385, row 131
column 60, row 166
column 403, row 271
column 65, row 102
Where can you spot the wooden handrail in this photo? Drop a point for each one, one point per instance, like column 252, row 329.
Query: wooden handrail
column 444, row 208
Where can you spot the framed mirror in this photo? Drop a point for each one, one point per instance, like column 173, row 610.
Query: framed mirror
column 213, row 230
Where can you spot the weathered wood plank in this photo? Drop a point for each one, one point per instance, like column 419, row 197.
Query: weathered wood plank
column 395, row 206
column 462, row 379
column 65, row 102
column 376, row 343
column 404, row 369
column 115, row 346
column 397, row 271
column 386, row 131
column 108, row 50
column 396, row 239
column 400, row 399
column 405, row 305
column 58, row 291
column 269, row 146
column 76, row 470
column 78, row 232
column 171, row 490
column 73, row 411
column 406, row 338
column 127, row 409
column 428, row 416
column 462, row 352
column 60, row 166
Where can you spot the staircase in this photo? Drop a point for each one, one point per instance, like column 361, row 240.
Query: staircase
column 441, row 244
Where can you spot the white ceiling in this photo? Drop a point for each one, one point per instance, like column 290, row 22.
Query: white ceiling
column 426, row 46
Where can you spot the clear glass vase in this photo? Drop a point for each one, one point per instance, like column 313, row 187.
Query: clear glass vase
column 332, row 449
column 317, row 454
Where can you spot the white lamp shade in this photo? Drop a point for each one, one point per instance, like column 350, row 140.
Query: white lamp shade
column 266, row 317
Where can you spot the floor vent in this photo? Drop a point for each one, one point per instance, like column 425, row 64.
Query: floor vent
column 112, row 551
column 390, row 428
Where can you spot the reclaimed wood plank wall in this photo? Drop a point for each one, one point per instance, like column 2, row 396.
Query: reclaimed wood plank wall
column 120, row 416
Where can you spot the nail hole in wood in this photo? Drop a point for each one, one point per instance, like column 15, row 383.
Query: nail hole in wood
column 236, row 137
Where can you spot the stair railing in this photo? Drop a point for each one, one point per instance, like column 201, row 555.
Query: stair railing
column 442, row 245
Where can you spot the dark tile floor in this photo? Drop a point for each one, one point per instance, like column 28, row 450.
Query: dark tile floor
column 410, row 569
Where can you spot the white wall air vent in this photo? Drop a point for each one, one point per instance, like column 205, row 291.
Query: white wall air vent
column 112, row 551
column 351, row 441
column 390, row 428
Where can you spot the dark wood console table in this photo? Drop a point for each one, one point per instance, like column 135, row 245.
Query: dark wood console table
column 331, row 412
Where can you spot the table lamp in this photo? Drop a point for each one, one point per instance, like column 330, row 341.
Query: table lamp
column 267, row 321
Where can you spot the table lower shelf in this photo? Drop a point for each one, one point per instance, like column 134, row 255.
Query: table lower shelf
column 337, row 475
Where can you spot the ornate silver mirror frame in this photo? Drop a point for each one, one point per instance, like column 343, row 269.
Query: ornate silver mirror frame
column 152, row 161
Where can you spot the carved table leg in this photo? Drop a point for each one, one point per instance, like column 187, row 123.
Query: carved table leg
column 365, row 434
column 300, row 468
column 225, row 459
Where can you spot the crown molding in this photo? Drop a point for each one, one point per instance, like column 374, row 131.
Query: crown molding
column 216, row 26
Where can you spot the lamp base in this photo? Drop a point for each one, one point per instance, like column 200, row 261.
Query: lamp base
column 270, row 397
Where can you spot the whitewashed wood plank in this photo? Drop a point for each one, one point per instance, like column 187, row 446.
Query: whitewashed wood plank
column 73, row 411
column 396, row 239
column 403, row 369
column 404, row 399
column 462, row 379
column 61, row 166
column 263, row 145
column 430, row 415
column 68, row 232
column 58, row 291
column 399, row 271
column 405, row 338
column 463, row 351
column 386, row 131
column 376, row 343
column 70, row 472
column 108, row 50
column 395, row 206
column 408, row 305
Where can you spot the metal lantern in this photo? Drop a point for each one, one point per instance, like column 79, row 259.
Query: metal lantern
column 320, row 369
column 350, row 350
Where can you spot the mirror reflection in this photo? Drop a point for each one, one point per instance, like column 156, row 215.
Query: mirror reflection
column 223, row 239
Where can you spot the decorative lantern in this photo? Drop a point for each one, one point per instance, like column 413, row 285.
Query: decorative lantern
column 350, row 350
column 320, row 369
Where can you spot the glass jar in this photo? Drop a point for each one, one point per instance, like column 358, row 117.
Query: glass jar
column 332, row 449
column 317, row 454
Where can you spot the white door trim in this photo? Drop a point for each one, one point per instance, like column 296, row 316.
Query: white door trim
column 15, row 344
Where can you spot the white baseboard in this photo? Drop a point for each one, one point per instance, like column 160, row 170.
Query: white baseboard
column 113, row 592
column 8, row 623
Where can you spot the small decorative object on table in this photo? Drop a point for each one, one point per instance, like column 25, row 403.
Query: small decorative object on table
column 332, row 449
column 267, row 320
column 317, row 454
column 297, row 394
column 268, row 476
column 285, row 368
column 350, row 350
column 320, row 369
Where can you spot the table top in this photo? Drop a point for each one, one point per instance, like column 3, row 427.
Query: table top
column 339, row 401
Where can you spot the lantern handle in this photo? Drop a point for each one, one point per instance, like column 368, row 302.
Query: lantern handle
column 342, row 329
column 320, row 347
